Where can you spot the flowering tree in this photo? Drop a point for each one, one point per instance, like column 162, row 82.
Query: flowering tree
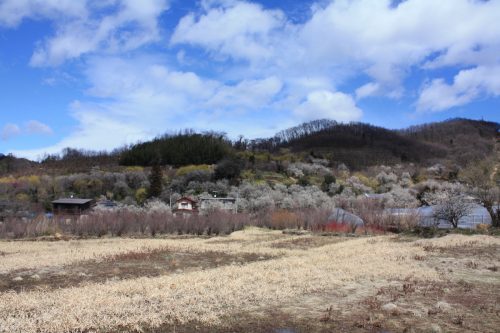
column 451, row 205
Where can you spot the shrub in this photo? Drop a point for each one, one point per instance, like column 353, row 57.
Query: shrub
column 327, row 181
column 182, row 171
column 141, row 195
column 284, row 219
column 304, row 181
column 229, row 168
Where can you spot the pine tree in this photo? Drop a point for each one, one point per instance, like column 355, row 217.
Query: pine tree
column 155, row 180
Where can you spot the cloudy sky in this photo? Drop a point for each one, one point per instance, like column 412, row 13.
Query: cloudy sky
column 98, row 74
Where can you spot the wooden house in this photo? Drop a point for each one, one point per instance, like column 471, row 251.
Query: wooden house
column 71, row 206
column 185, row 205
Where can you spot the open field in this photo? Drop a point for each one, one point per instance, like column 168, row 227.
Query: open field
column 251, row 281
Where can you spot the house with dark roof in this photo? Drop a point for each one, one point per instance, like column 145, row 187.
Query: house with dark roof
column 71, row 206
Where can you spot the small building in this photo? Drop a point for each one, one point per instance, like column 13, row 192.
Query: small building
column 185, row 205
column 226, row 203
column 107, row 203
column 71, row 206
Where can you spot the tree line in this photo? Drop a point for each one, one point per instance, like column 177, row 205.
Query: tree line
column 181, row 149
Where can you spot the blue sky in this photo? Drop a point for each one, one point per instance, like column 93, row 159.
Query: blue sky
column 101, row 74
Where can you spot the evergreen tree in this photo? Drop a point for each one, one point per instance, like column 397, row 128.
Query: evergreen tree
column 155, row 180
column 327, row 180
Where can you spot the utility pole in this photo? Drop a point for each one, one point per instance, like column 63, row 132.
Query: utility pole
column 236, row 202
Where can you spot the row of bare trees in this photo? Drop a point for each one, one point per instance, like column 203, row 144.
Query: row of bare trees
column 117, row 223
column 153, row 222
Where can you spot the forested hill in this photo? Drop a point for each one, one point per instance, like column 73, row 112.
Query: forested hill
column 454, row 130
column 358, row 145
column 9, row 163
column 178, row 150
column 465, row 140
column 355, row 144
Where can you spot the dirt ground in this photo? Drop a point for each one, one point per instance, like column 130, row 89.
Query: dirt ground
column 252, row 281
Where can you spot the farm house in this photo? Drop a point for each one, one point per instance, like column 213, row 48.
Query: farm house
column 71, row 206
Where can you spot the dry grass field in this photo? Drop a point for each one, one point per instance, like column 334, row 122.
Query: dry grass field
column 251, row 281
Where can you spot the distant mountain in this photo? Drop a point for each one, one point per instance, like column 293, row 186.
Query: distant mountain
column 11, row 164
column 360, row 145
column 356, row 144
column 464, row 140
column 449, row 131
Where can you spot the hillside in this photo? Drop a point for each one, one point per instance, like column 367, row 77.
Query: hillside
column 178, row 150
column 9, row 164
column 358, row 145
column 465, row 140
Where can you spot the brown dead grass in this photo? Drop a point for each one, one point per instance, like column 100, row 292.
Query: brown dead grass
column 329, row 286
column 129, row 265
column 306, row 242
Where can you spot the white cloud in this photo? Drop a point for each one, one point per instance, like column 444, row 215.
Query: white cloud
column 326, row 104
column 467, row 85
column 345, row 38
column 129, row 25
column 139, row 98
column 367, row 90
column 238, row 29
column 385, row 42
column 92, row 133
column 248, row 94
column 12, row 12
column 146, row 84
column 9, row 131
column 36, row 127
column 259, row 63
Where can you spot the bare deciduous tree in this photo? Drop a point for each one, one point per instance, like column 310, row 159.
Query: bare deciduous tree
column 480, row 180
column 489, row 197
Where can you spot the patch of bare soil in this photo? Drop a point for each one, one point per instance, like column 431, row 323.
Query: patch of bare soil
column 467, row 299
column 404, row 306
column 307, row 242
column 123, row 266
column 448, row 307
column 275, row 321
column 476, row 251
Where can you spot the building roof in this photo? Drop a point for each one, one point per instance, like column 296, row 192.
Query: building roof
column 219, row 199
column 341, row 216
column 375, row 195
column 107, row 203
column 185, row 199
column 71, row 201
